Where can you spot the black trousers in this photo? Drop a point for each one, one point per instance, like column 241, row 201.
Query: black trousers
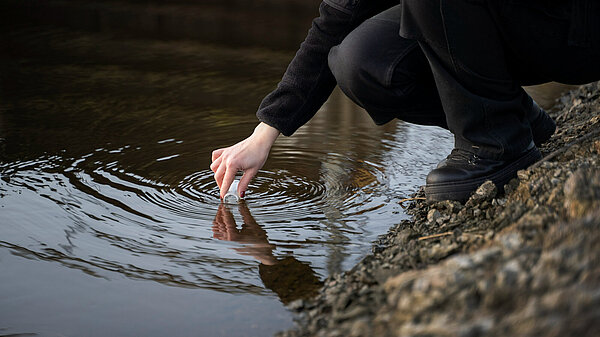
column 460, row 64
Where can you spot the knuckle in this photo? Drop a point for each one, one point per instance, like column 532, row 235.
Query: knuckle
column 231, row 162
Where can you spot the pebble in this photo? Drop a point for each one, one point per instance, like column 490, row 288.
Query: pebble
column 433, row 215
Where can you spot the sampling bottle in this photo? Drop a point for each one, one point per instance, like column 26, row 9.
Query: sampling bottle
column 232, row 196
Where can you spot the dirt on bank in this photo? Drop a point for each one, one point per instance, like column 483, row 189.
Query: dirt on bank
column 525, row 263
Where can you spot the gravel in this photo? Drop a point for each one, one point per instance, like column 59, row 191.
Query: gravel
column 522, row 263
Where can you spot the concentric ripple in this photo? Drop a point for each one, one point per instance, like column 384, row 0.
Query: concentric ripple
column 92, row 213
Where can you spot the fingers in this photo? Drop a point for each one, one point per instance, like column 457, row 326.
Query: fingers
column 229, row 221
column 215, row 164
column 245, row 212
column 247, row 217
column 218, row 227
column 217, row 153
column 225, row 171
column 227, row 180
column 246, row 178
column 219, row 174
column 224, row 226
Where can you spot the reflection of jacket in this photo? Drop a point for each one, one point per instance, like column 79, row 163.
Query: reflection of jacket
column 308, row 82
column 290, row 279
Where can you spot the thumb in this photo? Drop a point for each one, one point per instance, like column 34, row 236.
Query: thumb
column 245, row 180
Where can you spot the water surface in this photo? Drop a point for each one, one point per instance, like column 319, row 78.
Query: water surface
column 110, row 221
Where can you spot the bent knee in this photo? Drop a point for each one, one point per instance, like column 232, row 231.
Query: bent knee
column 361, row 66
column 346, row 62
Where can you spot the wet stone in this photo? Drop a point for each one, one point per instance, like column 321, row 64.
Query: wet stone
column 433, row 215
column 486, row 192
column 582, row 192
column 523, row 174
column 406, row 235
column 449, row 206
column 296, row 305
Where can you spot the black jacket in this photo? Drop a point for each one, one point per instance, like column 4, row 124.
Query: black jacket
column 308, row 82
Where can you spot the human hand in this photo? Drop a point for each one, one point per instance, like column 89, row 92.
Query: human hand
column 248, row 156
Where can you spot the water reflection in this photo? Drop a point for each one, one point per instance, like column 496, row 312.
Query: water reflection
column 288, row 277
column 105, row 144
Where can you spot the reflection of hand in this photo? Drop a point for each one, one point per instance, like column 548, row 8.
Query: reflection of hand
column 249, row 156
column 289, row 278
column 225, row 228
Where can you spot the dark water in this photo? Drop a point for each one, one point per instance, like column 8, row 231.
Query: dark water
column 110, row 221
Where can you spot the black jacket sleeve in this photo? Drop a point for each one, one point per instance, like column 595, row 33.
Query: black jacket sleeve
column 308, row 82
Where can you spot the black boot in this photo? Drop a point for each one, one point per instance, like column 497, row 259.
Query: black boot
column 542, row 125
column 459, row 175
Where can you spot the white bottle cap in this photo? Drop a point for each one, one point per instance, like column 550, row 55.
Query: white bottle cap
column 232, row 196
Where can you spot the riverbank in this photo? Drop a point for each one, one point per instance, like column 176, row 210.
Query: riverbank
column 525, row 263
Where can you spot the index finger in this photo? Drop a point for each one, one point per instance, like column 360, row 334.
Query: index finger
column 227, row 180
column 217, row 153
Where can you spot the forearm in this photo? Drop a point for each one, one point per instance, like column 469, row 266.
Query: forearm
column 308, row 82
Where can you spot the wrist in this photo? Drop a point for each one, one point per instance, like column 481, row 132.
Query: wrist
column 266, row 133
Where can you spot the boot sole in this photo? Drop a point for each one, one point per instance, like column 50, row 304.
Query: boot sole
column 462, row 190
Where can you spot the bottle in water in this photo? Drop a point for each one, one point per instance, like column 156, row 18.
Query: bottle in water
column 232, row 196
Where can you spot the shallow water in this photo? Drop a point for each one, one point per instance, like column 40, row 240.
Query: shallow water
column 110, row 221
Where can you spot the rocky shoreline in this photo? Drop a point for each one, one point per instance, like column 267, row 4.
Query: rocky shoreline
column 525, row 263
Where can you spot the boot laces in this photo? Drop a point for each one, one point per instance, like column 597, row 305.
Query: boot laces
column 462, row 156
